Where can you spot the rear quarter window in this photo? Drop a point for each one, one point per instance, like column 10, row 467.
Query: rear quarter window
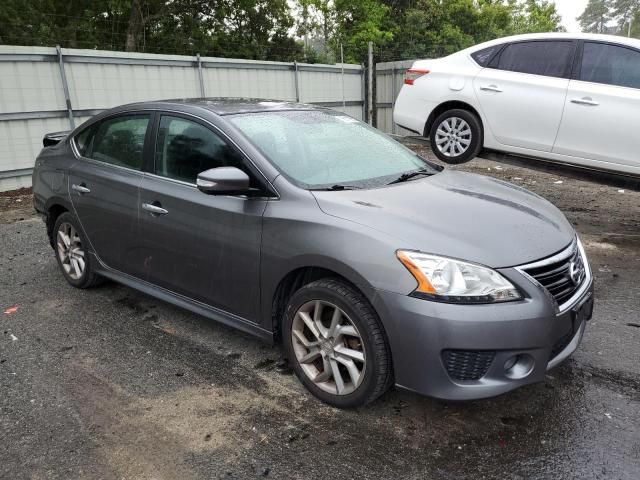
column 83, row 140
column 484, row 56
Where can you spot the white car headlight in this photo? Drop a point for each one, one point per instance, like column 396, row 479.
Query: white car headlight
column 454, row 281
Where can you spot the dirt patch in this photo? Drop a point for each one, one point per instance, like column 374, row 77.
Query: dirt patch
column 16, row 205
column 20, row 192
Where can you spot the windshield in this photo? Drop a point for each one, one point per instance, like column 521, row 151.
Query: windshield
column 320, row 149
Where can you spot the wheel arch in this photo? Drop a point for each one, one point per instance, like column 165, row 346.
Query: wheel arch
column 53, row 209
column 295, row 279
column 451, row 105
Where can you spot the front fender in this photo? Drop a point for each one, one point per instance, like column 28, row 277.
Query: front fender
column 360, row 254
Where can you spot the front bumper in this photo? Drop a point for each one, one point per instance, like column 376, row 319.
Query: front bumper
column 421, row 333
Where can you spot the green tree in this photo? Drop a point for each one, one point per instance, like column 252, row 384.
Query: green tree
column 595, row 17
column 534, row 16
column 359, row 23
column 433, row 28
column 626, row 12
column 316, row 25
column 230, row 28
column 310, row 30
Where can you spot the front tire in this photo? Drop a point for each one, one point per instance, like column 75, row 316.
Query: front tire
column 456, row 136
column 336, row 344
column 72, row 254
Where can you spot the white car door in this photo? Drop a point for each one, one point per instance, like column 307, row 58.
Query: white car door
column 522, row 92
column 602, row 113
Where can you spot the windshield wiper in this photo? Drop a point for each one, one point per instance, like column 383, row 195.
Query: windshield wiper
column 337, row 187
column 409, row 175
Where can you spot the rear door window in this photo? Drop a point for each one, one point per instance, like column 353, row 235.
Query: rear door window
column 547, row 58
column 610, row 64
column 120, row 141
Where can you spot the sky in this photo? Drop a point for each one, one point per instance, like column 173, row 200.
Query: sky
column 570, row 9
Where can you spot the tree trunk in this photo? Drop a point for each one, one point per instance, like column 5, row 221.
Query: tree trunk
column 134, row 26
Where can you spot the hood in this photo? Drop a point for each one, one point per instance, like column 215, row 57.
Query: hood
column 460, row 215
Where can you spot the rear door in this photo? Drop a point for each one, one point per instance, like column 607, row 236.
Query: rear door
column 602, row 112
column 522, row 92
column 204, row 247
column 103, row 185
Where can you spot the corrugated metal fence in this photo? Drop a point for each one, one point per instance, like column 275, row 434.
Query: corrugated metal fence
column 389, row 77
column 47, row 89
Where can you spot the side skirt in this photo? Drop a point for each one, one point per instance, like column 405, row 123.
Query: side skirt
column 181, row 301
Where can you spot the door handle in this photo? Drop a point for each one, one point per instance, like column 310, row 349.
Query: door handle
column 491, row 88
column 81, row 189
column 585, row 101
column 154, row 209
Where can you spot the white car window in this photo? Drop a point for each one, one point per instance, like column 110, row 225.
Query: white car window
column 482, row 57
column 610, row 64
column 548, row 58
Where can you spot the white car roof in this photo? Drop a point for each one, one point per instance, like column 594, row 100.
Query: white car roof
column 632, row 42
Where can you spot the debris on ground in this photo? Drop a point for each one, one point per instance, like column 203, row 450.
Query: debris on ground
column 165, row 329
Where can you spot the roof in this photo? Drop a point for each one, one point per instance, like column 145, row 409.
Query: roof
column 230, row 106
column 632, row 42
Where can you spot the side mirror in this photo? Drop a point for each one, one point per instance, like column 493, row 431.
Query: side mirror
column 223, row 181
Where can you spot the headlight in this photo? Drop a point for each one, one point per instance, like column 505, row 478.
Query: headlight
column 454, row 281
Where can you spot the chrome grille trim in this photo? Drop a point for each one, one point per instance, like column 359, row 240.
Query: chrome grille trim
column 565, row 254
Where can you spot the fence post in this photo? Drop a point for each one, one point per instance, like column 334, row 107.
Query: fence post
column 370, row 89
column 342, row 75
column 202, row 95
column 295, row 77
column 393, row 96
column 363, row 92
column 65, row 87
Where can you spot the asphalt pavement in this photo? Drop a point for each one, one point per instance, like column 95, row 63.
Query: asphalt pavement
column 109, row 383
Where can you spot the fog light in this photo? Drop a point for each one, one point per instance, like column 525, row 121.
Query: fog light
column 519, row 366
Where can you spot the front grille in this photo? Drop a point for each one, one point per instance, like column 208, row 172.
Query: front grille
column 562, row 275
column 467, row 364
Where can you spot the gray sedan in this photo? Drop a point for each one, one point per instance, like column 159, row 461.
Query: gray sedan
column 298, row 224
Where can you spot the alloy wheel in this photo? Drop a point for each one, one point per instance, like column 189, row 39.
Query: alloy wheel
column 453, row 137
column 70, row 251
column 328, row 347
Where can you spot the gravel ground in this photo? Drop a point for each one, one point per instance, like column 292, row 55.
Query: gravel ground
column 112, row 384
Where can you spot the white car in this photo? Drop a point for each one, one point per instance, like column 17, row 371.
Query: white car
column 568, row 98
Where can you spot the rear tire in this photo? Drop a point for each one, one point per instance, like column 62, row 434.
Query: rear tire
column 456, row 136
column 72, row 254
column 336, row 345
